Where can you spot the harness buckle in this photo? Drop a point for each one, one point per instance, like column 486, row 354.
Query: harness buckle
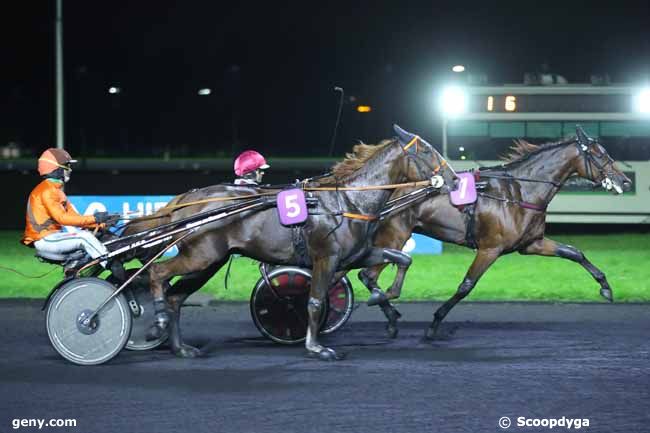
column 437, row 181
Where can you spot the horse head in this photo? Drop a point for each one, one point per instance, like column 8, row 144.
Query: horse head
column 428, row 161
column 597, row 166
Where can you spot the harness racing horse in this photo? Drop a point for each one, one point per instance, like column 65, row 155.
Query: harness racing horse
column 509, row 216
column 336, row 236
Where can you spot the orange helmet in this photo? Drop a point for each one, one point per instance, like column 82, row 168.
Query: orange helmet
column 52, row 159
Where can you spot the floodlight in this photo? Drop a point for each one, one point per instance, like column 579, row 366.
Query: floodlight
column 204, row 91
column 642, row 101
column 453, row 101
column 458, row 68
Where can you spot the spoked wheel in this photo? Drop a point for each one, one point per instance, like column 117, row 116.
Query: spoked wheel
column 341, row 304
column 82, row 341
column 280, row 311
column 140, row 302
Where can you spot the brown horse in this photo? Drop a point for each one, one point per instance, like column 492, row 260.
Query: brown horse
column 336, row 236
column 509, row 216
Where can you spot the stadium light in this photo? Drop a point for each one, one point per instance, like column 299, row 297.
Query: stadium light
column 458, row 68
column 453, row 101
column 364, row 108
column 642, row 101
column 114, row 90
column 204, row 92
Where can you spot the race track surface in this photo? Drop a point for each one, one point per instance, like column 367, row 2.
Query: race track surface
column 518, row 360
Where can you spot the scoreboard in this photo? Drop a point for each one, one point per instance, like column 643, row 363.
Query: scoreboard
column 561, row 102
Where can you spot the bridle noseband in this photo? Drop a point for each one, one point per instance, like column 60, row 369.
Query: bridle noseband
column 605, row 170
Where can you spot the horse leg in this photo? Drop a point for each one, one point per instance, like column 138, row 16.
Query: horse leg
column 176, row 296
column 483, row 260
column 369, row 277
column 322, row 274
column 384, row 256
column 193, row 258
column 381, row 257
column 550, row 248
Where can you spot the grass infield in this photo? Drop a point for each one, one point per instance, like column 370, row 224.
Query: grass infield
column 624, row 258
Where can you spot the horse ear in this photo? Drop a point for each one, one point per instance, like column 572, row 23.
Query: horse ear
column 583, row 138
column 403, row 136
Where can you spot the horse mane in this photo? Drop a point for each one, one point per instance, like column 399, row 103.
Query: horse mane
column 353, row 161
column 519, row 150
column 522, row 150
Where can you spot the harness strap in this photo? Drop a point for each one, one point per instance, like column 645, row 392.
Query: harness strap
column 442, row 165
column 470, row 225
column 413, row 141
column 524, row 204
column 356, row 216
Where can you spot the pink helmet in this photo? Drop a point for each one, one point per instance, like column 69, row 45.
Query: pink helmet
column 248, row 161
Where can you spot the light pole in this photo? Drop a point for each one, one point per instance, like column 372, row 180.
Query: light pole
column 444, row 136
column 59, row 75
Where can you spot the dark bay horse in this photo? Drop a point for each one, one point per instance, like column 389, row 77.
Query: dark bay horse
column 336, row 236
column 509, row 216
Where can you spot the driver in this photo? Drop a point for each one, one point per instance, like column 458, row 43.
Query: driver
column 249, row 168
column 52, row 224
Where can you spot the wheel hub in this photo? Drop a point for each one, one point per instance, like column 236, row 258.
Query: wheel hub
column 85, row 324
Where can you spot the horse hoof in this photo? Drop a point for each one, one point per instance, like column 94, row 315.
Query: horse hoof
column 607, row 294
column 376, row 297
column 430, row 334
column 327, row 354
column 154, row 333
column 186, row 351
column 392, row 331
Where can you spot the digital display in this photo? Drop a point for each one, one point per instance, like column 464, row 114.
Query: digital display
column 550, row 103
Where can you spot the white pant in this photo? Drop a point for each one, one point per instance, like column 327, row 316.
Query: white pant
column 71, row 240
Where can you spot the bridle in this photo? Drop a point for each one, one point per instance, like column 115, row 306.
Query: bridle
column 586, row 147
column 437, row 161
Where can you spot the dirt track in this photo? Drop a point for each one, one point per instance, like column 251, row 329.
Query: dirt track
column 495, row 360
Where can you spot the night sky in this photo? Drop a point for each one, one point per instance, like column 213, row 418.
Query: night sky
column 272, row 67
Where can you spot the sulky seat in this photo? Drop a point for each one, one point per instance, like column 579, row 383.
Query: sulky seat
column 58, row 258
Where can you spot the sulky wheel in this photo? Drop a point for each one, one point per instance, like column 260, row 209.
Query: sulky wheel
column 140, row 302
column 81, row 341
column 280, row 312
column 341, row 304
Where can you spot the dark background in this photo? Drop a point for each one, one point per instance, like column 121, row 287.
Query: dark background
column 272, row 67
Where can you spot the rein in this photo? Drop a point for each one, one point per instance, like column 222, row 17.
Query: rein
column 507, row 176
column 326, row 188
column 171, row 208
